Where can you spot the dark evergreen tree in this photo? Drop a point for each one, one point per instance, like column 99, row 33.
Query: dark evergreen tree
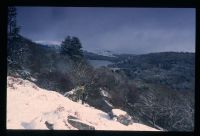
column 66, row 46
column 77, row 47
column 13, row 29
column 72, row 47
column 14, row 48
column 11, row 19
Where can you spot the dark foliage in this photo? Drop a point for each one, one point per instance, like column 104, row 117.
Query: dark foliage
column 71, row 46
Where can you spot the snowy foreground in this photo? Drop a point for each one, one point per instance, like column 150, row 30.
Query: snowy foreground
column 30, row 107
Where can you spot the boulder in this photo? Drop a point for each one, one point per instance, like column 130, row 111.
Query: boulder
column 125, row 119
column 75, row 122
column 49, row 125
column 120, row 116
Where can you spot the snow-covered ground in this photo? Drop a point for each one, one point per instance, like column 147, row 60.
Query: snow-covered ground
column 31, row 107
column 49, row 43
column 104, row 53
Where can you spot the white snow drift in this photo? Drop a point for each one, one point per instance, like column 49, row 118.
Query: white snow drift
column 30, row 107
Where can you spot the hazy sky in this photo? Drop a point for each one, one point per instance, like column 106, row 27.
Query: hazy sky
column 127, row 30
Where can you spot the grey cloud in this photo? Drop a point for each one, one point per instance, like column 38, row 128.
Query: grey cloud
column 128, row 30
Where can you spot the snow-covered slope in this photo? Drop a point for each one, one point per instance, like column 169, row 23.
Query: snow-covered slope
column 53, row 43
column 30, row 107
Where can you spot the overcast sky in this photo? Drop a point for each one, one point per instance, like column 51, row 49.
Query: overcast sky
column 125, row 30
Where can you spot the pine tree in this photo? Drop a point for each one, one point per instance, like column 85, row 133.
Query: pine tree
column 76, row 45
column 13, row 29
column 14, row 40
column 11, row 19
column 66, row 46
column 72, row 47
column 11, row 26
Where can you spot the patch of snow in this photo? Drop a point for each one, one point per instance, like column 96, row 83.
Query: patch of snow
column 118, row 112
column 33, row 79
column 70, row 92
column 53, row 43
column 105, row 93
column 109, row 104
column 104, row 53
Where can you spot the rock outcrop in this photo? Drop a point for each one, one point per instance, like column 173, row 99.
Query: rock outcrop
column 75, row 122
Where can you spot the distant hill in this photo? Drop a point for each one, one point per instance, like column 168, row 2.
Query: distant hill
column 95, row 56
column 173, row 69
